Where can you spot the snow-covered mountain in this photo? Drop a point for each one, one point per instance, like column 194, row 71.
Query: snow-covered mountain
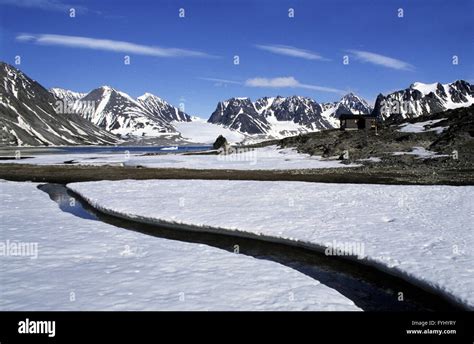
column 424, row 99
column 162, row 109
column 119, row 113
column 67, row 95
column 30, row 115
column 351, row 104
column 284, row 116
column 240, row 114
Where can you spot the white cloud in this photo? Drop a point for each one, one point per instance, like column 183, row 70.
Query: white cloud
column 288, row 82
column 291, row 51
column 107, row 45
column 280, row 82
column 48, row 5
column 381, row 60
column 222, row 81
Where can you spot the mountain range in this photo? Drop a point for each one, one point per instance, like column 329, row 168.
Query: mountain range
column 424, row 99
column 278, row 117
column 33, row 115
column 120, row 114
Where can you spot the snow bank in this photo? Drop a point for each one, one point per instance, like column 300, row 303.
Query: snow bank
column 89, row 265
column 422, row 233
column 420, row 127
column 422, row 153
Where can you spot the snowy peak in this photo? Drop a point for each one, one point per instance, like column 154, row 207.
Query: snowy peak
column 162, row 109
column 353, row 99
column 66, row 95
column 148, row 96
column 300, row 110
column 13, row 80
column 460, row 91
column 119, row 113
column 425, row 99
column 237, row 101
column 265, row 103
column 426, row 89
column 239, row 114
column 352, row 104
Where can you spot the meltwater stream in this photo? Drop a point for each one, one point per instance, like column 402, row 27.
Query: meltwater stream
column 369, row 288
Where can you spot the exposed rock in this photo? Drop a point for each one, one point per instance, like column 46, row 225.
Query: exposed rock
column 220, row 142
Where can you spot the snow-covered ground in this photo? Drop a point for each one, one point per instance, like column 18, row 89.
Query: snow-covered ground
column 266, row 158
column 89, row 265
column 371, row 159
column 420, row 127
column 200, row 131
column 423, row 233
column 422, row 153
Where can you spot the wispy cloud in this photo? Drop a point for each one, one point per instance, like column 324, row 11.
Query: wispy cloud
column 288, row 82
column 108, row 45
column 381, row 60
column 291, row 51
column 280, row 82
column 47, row 5
column 222, row 81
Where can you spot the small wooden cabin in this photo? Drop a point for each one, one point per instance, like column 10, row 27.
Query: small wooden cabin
column 357, row 122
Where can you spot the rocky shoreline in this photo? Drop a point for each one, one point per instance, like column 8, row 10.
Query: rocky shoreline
column 63, row 174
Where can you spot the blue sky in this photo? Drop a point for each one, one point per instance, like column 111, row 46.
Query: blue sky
column 191, row 59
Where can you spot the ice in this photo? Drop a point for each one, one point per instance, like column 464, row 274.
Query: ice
column 422, row 233
column 89, row 265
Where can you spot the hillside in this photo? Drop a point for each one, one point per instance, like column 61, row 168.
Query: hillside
column 430, row 140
